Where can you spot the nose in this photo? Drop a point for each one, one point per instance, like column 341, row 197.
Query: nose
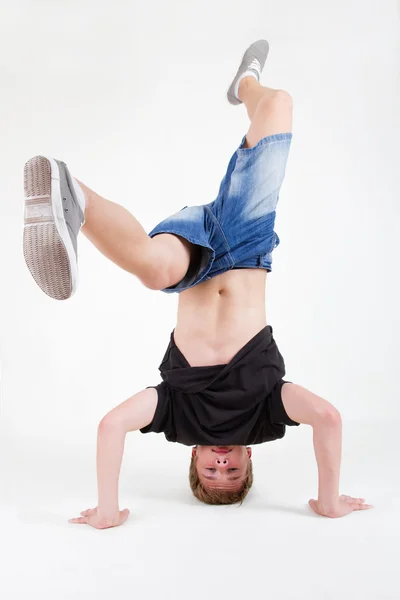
column 222, row 461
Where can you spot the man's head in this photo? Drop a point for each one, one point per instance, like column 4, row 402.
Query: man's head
column 221, row 474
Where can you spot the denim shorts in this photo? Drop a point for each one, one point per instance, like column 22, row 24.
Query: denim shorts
column 236, row 230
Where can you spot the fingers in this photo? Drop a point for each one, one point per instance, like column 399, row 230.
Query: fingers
column 124, row 515
column 363, row 507
column 351, row 499
column 314, row 505
column 89, row 512
column 357, row 503
column 79, row 520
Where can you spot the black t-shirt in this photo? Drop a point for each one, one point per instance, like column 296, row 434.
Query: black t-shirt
column 238, row 403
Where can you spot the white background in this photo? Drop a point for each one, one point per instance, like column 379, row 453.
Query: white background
column 132, row 96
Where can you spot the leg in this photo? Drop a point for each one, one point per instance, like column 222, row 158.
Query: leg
column 56, row 207
column 270, row 111
column 159, row 262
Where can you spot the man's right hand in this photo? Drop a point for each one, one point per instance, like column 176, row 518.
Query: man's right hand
column 95, row 518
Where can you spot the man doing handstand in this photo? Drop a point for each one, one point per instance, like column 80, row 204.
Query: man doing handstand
column 223, row 388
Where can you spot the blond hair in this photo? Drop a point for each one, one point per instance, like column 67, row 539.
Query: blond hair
column 213, row 496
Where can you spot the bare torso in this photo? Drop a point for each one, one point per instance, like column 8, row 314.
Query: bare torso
column 218, row 317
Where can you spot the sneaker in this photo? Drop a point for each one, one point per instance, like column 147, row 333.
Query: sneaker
column 54, row 214
column 253, row 62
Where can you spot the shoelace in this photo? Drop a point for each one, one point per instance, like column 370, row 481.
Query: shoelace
column 255, row 66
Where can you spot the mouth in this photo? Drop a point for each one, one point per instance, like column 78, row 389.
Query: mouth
column 222, row 450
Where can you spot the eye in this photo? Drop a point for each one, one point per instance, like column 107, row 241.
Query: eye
column 210, row 469
column 231, row 470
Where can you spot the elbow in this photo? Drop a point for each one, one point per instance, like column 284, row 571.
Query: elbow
column 109, row 424
column 329, row 417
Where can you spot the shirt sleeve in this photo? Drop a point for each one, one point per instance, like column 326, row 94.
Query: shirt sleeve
column 278, row 413
column 163, row 417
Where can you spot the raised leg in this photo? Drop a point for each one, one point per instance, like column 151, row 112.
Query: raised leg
column 158, row 262
column 269, row 110
column 163, row 261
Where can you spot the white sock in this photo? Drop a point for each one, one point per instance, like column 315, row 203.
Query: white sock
column 80, row 195
column 243, row 75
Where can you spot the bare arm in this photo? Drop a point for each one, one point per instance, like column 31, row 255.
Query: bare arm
column 305, row 407
column 131, row 415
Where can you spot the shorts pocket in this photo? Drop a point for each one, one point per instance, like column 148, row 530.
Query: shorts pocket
column 275, row 241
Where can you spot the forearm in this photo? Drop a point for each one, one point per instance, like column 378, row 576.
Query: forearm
column 110, row 449
column 136, row 412
column 328, row 451
column 303, row 406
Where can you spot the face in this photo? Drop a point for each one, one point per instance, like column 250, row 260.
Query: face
column 222, row 467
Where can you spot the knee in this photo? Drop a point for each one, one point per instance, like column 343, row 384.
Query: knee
column 166, row 264
column 155, row 279
column 160, row 276
column 279, row 100
column 283, row 97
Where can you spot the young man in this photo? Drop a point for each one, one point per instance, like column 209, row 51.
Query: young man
column 223, row 388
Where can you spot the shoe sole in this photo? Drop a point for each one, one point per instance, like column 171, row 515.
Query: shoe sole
column 258, row 50
column 48, row 250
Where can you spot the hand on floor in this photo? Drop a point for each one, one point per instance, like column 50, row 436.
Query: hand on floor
column 95, row 519
column 345, row 506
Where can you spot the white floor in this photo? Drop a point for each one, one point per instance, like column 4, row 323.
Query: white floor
column 174, row 547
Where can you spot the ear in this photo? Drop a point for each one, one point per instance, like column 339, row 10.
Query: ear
column 194, row 451
column 249, row 452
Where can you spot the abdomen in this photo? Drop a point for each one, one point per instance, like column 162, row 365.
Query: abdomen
column 218, row 317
